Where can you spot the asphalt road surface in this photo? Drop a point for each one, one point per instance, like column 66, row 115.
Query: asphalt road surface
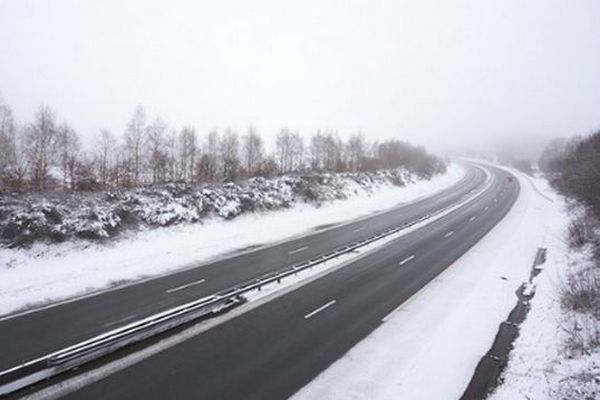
column 37, row 333
column 273, row 350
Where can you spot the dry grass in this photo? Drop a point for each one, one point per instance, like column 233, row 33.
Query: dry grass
column 582, row 335
column 581, row 292
column 580, row 233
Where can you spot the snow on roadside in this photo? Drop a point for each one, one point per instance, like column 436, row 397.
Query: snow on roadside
column 429, row 348
column 48, row 273
column 540, row 365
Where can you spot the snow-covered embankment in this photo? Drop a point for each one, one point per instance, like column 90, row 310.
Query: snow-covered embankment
column 51, row 272
column 431, row 346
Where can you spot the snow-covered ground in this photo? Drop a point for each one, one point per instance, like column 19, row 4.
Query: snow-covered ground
column 547, row 362
column 430, row 347
column 50, row 273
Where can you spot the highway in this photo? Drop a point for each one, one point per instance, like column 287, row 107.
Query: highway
column 68, row 323
column 273, row 350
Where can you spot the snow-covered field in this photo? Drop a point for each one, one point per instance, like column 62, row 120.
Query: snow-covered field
column 49, row 273
column 429, row 348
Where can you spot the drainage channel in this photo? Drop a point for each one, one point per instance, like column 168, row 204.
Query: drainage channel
column 487, row 373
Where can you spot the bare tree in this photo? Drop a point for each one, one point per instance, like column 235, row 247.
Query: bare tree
column 32, row 152
column 13, row 157
column 229, row 149
column 7, row 141
column 171, row 154
column 332, row 152
column 297, row 153
column 15, row 175
column 317, row 151
column 123, row 171
column 105, row 146
column 41, row 138
column 209, row 163
column 68, row 147
column 188, row 150
column 135, row 139
column 84, row 176
column 356, row 152
column 283, row 149
column 157, row 156
column 252, row 151
column 290, row 150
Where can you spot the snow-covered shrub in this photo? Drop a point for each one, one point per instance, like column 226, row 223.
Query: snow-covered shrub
column 96, row 223
column 580, row 379
column 25, row 219
column 582, row 231
column 581, row 291
column 582, row 334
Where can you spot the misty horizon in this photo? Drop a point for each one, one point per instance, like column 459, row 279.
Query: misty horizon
column 454, row 76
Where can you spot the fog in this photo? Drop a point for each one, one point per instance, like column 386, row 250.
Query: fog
column 446, row 74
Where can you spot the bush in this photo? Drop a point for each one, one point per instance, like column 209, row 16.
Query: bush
column 583, row 335
column 580, row 232
column 26, row 219
column 581, row 292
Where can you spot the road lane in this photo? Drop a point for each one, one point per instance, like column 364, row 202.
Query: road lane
column 272, row 351
column 34, row 334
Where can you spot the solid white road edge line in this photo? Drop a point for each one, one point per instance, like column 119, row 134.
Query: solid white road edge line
column 318, row 310
column 394, row 311
column 187, row 285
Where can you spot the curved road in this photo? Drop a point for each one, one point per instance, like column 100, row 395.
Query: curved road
column 273, row 350
column 34, row 334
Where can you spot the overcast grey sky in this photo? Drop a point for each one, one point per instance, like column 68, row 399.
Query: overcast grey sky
column 439, row 73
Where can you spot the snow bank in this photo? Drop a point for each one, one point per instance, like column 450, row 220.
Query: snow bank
column 56, row 217
column 51, row 272
column 540, row 365
column 431, row 346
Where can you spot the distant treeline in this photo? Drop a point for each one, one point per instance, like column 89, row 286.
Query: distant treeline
column 46, row 155
column 574, row 167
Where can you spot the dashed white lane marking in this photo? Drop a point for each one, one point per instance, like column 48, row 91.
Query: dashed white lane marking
column 318, row 310
column 472, row 218
column 298, row 250
column 357, row 230
column 407, row 259
column 187, row 285
column 495, row 200
column 447, row 235
column 486, row 208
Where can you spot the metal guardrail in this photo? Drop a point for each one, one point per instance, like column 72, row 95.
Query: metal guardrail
column 63, row 360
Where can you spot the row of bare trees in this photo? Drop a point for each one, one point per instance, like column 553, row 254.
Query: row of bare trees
column 45, row 154
column 574, row 167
